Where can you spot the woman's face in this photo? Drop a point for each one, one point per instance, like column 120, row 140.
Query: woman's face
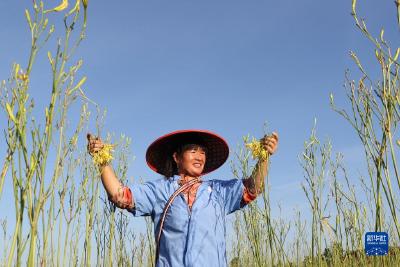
column 191, row 161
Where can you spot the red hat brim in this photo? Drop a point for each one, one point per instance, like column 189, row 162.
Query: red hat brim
column 163, row 148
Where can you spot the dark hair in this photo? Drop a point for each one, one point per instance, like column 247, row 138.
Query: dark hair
column 170, row 165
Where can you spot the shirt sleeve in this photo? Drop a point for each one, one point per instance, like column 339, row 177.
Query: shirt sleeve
column 248, row 196
column 232, row 194
column 143, row 198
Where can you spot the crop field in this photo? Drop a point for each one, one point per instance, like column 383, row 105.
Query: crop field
column 61, row 214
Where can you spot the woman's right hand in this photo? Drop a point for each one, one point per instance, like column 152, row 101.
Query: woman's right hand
column 94, row 144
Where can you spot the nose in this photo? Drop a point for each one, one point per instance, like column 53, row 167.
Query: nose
column 199, row 156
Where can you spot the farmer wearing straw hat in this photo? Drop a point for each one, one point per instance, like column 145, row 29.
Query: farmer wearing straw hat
column 188, row 211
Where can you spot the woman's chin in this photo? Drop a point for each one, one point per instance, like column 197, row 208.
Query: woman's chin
column 194, row 173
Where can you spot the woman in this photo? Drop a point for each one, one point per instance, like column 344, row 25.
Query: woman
column 188, row 211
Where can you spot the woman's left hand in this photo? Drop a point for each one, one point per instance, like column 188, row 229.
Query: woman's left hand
column 270, row 143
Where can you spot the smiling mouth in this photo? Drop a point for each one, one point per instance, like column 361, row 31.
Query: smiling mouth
column 197, row 165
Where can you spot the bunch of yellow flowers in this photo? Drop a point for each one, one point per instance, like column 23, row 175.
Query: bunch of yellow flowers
column 104, row 155
column 257, row 149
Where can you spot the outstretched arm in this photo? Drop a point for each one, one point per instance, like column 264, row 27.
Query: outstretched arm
column 255, row 183
column 119, row 194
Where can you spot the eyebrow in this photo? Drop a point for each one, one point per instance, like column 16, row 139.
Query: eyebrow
column 198, row 148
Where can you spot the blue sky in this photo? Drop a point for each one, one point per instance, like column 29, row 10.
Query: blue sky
column 225, row 66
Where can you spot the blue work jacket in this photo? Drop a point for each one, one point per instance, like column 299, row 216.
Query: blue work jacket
column 190, row 238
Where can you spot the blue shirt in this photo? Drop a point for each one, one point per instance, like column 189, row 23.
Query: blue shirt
column 190, row 238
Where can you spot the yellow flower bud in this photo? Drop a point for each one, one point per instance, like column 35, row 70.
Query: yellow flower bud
column 85, row 3
column 257, row 150
column 60, row 7
column 104, row 155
